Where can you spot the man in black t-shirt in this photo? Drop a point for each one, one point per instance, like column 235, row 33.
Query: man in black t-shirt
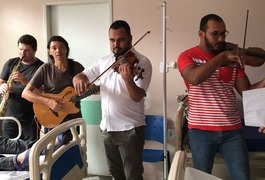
column 16, row 106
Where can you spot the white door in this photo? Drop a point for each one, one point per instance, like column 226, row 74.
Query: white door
column 84, row 24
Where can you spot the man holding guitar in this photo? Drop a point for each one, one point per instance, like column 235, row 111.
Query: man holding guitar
column 122, row 96
column 51, row 87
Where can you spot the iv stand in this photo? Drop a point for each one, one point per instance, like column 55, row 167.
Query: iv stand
column 165, row 169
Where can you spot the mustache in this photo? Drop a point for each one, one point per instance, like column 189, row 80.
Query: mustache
column 117, row 52
column 120, row 52
column 221, row 44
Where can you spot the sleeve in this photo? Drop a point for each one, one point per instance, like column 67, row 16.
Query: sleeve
column 240, row 72
column 7, row 68
column 38, row 78
column 5, row 72
column 93, row 71
column 184, row 60
column 146, row 74
column 78, row 67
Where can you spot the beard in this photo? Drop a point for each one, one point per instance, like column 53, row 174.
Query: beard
column 215, row 49
column 119, row 52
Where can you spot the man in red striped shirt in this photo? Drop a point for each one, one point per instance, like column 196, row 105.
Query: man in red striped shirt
column 210, row 72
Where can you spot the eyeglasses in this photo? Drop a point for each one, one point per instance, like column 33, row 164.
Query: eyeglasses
column 217, row 34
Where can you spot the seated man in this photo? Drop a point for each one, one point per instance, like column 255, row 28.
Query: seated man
column 19, row 162
column 8, row 146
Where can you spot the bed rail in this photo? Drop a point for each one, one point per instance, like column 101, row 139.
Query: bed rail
column 48, row 142
column 18, row 123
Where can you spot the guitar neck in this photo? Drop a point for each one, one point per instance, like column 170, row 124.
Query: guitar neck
column 86, row 94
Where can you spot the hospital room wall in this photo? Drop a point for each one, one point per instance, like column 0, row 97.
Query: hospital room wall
column 183, row 16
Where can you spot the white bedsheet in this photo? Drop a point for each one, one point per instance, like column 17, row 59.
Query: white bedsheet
column 14, row 175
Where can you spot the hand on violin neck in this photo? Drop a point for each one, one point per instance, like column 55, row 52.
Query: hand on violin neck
column 81, row 83
column 229, row 58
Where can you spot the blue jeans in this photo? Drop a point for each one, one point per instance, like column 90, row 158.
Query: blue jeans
column 231, row 145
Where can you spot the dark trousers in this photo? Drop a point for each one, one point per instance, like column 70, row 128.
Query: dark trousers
column 8, row 163
column 8, row 146
column 124, row 151
column 29, row 130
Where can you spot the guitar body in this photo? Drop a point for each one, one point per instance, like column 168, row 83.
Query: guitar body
column 49, row 118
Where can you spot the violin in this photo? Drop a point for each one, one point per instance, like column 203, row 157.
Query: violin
column 132, row 60
column 255, row 55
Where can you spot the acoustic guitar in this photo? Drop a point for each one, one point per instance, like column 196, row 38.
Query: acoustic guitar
column 68, row 97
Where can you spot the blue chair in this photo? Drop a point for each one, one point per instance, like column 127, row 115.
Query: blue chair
column 154, row 131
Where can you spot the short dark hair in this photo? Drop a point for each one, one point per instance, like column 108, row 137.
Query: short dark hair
column 121, row 24
column 28, row 40
column 60, row 39
column 205, row 19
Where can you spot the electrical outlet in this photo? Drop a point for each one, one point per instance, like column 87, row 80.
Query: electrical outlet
column 168, row 65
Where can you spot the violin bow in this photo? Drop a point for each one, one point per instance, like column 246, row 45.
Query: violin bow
column 245, row 34
column 120, row 57
column 247, row 52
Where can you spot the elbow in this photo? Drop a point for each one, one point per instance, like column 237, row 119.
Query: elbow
column 195, row 81
column 135, row 99
column 138, row 97
column 24, row 94
column 193, row 78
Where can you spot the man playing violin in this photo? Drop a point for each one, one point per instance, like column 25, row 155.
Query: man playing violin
column 122, row 96
column 211, row 72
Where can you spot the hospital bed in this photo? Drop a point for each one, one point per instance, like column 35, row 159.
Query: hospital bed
column 18, row 123
column 180, row 171
column 67, row 162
